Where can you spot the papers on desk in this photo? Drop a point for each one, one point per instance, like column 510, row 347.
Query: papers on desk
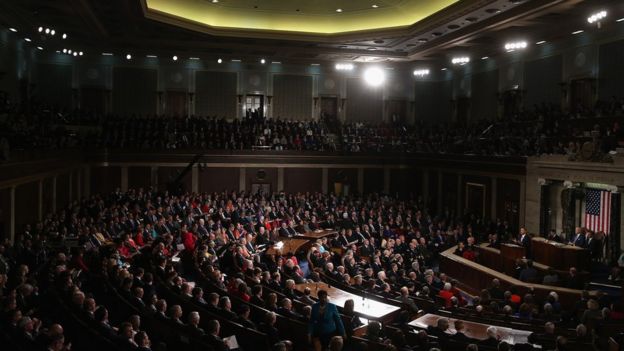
column 231, row 342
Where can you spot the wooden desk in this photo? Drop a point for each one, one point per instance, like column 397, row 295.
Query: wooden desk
column 291, row 245
column 369, row 309
column 479, row 277
column 510, row 253
column 559, row 256
column 473, row 329
column 318, row 234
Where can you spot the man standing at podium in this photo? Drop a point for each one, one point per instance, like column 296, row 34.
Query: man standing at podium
column 579, row 238
column 524, row 240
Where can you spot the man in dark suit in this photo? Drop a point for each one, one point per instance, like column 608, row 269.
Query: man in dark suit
column 213, row 339
column 243, row 318
column 524, row 240
column 579, row 237
column 193, row 325
column 439, row 330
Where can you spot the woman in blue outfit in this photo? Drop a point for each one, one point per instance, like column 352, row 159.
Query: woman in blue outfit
column 325, row 322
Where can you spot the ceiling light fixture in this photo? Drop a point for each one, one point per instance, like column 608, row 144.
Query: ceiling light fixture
column 64, row 51
column 107, row 54
column 40, row 48
column 194, row 58
column 75, row 53
column 151, row 56
column 374, row 76
column 128, row 57
column 215, row 1
column 577, row 32
column 596, row 17
column 485, row 58
column 175, row 58
column 219, row 60
column 519, row 45
column 40, row 29
column 80, row 53
column 460, row 60
column 262, row 61
column 52, row 32
column 375, row 6
column 620, row 20
column 13, row 30
column 47, row 31
column 344, row 66
column 421, row 72
column 540, row 42
column 69, row 51
column 315, row 64
column 443, row 69
column 236, row 60
column 64, row 35
column 276, row 62
column 27, row 39
column 338, row 10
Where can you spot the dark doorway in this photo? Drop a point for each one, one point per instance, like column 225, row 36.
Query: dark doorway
column 582, row 93
column 175, row 105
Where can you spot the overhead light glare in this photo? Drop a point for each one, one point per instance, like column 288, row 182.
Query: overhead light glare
column 375, row 6
column 194, row 58
column 460, row 60
column 540, row 42
column 262, row 61
column 338, row 10
column 215, row 1
column 128, row 57
column 485, row 57
column 52, row 32
column 151, row 56
column 620, row 20
column 519, row 45
column 596, row 17
column 64, row 35
column 344, row 66
column 421, row 72
column 40, row 48
column 27, row 39
column 47, row 31
column 443, row 69
column 75, row 53
column 276, row 62
column 81, row 53
column 108, row 54
column 236, row 60
column 40, row 29
column 374, row 76
column 219, row 60
column 13, row 30
column 175, row 58
column 315, row 64
column 577, row 32
column 64, row 51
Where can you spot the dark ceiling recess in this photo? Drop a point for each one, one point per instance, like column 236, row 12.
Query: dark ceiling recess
column 378, row 41
column 472, row 19
column 453, row 26
column 436, row 34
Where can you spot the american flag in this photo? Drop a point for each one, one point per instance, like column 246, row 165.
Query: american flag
column 598, row 210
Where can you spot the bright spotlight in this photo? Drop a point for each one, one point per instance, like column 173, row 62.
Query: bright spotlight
column 374, row 76
column 516, row 45
column 262, row 61
column 421, row 72
column 596, row 17
column 460, row 60
column 27, row 39
column 52, row 32
column 47, row 31
column 219, row 60
column 64, row 51
column 64, row 35
column 128, row 57
column 81, row 53
column 344, row 66
column 69, row 51
column 13, row 30
column 175, row 58
column 75, row 53
column 40, row 29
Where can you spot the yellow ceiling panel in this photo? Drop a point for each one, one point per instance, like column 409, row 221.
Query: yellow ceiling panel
column 304, row 16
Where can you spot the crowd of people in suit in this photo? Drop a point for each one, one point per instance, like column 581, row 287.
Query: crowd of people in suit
column 542, row 130
column 156, row 253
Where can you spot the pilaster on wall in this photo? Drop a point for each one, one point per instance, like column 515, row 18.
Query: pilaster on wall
column 12, row 220
column 241, row 180
column 280, row 178
column 325, row 180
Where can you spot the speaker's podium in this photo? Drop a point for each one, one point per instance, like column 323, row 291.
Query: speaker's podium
column 510, row 252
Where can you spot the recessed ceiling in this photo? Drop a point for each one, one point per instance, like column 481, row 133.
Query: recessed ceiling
column 298, row 16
